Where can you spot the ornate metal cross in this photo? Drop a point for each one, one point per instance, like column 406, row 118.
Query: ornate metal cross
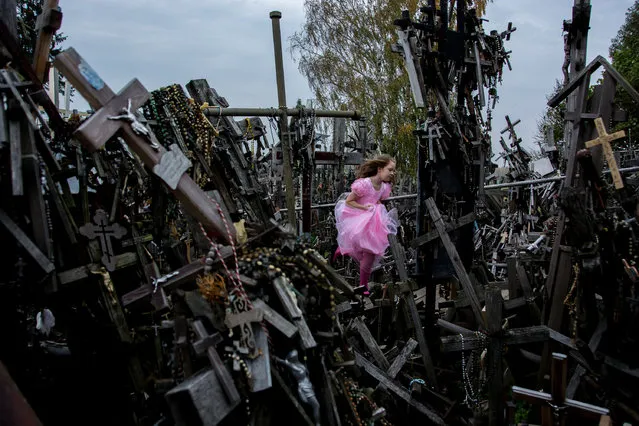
column 104, row 232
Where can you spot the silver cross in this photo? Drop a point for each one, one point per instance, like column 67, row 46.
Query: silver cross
column 138, row 128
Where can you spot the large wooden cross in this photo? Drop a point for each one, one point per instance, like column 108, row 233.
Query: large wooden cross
column 556, row 403
column 604, row 140
column 102, row 126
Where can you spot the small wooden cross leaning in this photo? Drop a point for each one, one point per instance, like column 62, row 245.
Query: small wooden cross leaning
column 604, row 140
column 116, row 113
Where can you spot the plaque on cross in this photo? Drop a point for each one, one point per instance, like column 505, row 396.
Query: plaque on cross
column 116, row 114
column 102, row 230
column 604, row 140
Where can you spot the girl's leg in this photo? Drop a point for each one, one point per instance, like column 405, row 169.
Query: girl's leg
column 365, row 268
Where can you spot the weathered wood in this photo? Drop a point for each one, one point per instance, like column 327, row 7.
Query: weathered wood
column 68, row 224
column 260, row 367
column 371, row 344
column 495, row 389
column 450, row 226
column 467, row 286
column 397, row 389
column 593, row 344
column 234, row 320
column 48, row 22
column 423, row 345
column 15, row 157
column 557, row 397
column 222, row 373
column 332, row 275
column 33, row 190
column 284, row 294
column 604, row 140
column 306, row 337
column 401, row 359
column 273, row 317
column 398, row 255
column 80, row 273
column 36, row 254
column 194, row 200
column 515, row 336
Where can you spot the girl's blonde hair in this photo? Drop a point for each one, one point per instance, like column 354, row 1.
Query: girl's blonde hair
column 370, row 166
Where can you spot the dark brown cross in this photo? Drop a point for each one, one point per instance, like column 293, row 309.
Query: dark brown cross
column 604, row 140
column 101, row 127
column 556, row 404
column 511, row 129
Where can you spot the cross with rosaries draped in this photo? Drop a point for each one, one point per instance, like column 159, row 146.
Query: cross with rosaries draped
column 556, row 407
column 604, row 140
column 117, row 113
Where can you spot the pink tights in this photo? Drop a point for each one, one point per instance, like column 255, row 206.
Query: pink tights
column 365, row 268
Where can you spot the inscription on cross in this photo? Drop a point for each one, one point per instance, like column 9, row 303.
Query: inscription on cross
column 116, row 114
column 604, row 140
column 102, row 230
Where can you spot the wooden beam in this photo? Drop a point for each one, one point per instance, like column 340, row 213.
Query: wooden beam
column 397, row 389
column 75, row 275
column 36, row 254
column 409, row 300
column 450, row 226
column 371, row 344
column 467, row 286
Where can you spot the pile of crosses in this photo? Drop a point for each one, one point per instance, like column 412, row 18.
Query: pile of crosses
column 549, row 278
column 148, row 283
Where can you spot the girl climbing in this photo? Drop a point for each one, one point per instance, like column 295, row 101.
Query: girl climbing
column 362, row 221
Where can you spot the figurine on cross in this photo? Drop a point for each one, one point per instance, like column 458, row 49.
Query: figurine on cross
column 138, row 128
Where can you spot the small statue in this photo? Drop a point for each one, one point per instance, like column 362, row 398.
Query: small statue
column 138, row 128
column 304, row 386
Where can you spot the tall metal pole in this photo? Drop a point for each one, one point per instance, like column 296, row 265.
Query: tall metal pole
column 284, row 134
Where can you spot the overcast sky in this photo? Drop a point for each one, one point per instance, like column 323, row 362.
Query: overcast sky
column 229, row 43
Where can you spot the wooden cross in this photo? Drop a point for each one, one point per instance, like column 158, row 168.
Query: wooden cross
column 604, row 140
column 206, row 344
column 48, row 22
column 511, row 128
column 98, row 129
column 557, row 404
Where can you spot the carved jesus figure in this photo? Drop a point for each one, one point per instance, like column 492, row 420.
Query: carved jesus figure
column 304, row 386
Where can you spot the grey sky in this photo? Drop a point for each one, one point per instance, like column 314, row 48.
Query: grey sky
column 229, row 43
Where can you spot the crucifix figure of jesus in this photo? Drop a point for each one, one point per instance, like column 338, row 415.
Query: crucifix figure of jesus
column 604, row 140
column 116, row 115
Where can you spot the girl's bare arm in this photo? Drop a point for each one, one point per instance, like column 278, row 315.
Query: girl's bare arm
column 351, row 200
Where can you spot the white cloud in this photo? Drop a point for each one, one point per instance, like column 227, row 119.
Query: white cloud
column 229, row 43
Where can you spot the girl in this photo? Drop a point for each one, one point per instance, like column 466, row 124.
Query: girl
column 362, row 221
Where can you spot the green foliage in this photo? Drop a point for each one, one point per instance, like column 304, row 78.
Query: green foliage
column 344, row 51
column 554, row 118
column 623, row 51
column 27, row 14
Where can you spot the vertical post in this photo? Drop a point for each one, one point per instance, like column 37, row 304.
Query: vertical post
column 494, row 316
column 284, row 136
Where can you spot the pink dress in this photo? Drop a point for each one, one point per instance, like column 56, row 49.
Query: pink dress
column 360, row 231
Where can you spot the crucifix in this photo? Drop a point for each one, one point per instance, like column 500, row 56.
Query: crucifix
column 557, row 404
column 511, row 129
column 604, row 140
column 102, row 230
column 116, row 114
